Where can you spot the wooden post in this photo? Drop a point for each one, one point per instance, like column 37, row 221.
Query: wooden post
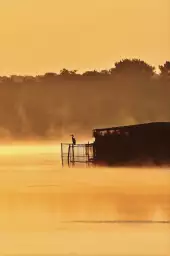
column 68, row 157
column 73, row 161
column 62, row 155
column 88, row 153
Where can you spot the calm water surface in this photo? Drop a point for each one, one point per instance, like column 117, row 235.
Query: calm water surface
column 47, row 210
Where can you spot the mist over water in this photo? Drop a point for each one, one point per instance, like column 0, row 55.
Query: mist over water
column 49, row 210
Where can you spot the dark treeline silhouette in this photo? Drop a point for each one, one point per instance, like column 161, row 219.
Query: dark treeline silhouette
column 54, row 104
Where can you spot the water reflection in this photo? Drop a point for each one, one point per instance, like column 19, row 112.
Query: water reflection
column 88, row 204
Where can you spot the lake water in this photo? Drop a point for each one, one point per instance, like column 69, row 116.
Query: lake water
column 49, row 210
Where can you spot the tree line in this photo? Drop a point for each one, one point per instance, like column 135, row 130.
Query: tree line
column 54, row 105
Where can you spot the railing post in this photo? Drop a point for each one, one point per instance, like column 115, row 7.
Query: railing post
column 62, row 155
column 68, row 157
column 88, row 154
column 73, row 161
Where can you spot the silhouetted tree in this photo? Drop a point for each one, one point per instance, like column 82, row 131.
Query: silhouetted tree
column 105, row 72
column 70, row 102
column 50, row 74
column 65, row 72
column 134, row 66
column 165, row 69
column 91, row 73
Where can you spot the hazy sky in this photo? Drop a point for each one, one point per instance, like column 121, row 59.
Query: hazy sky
column 38, row 36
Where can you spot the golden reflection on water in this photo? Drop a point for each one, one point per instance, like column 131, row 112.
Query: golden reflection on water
column 98, row 211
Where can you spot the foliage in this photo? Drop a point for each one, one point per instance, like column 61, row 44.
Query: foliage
column 55, row 104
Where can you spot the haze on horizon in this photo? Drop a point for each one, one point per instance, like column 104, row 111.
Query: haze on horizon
column 39, row 36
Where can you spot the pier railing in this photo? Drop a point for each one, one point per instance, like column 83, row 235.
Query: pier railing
column 77, row 154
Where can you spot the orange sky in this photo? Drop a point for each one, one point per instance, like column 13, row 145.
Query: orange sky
column 38, row 36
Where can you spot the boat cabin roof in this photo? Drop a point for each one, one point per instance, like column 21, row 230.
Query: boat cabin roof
column 137, row 127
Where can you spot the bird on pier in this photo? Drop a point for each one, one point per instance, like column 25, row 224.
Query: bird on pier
column 73, row 139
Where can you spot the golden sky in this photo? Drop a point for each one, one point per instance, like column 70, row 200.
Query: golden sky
column 38, row 36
